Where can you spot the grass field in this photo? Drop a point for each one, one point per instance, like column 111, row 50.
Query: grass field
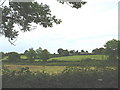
column 58, row 64
column 35, row 68
column 73, row 77
column 51, row 69
column 80, row 57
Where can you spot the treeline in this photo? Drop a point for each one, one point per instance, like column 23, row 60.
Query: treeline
column 42, row 54
column 110, row 48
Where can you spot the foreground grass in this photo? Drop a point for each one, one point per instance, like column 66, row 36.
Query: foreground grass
column 57, row 67
column 37, row 68
column 71, row 77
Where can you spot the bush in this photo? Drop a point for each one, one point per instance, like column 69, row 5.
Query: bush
column 71, row 77
column 13, row 57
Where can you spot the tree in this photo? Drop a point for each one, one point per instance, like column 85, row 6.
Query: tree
column 60, row 51
column 65, row 52
column 31, row 54
column 23, row 14
column 2, row 54
column 111, row 48
column 73, row 4
column 38, row 52
column 76, row 52
column 98, row 51
column 87, row 52
column 71, row 52
column 82, row 52
column 13, row 57
column 44, row 55
column 25, row 52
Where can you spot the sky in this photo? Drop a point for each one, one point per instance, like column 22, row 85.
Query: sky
column 86, row 28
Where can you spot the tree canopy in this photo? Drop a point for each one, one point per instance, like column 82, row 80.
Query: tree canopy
column 112, row 48
column 31, row 54
column 13, row 57
column 24, row 14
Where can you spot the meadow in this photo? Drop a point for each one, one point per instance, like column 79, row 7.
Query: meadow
column 37, row 68
column 79, row 58
column 62, row 72
column 70, row 77
column 58, row 64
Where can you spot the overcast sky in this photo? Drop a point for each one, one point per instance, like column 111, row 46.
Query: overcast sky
column 86, row 28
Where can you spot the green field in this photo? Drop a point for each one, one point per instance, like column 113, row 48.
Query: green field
column 51, row 69
column 80, row 57
column 81, row 60
column 58, row 64
column 36, row 68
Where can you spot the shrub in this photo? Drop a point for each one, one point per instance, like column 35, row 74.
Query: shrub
column 71, row 77
column 13, row 57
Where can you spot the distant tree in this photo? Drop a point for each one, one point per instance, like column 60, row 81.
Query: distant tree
column 101, row 50
column 94, row 51
column 6, row 54
column 60, row 51
column 76, row 52
column 25, row 52
column 65, row 52
column 87, row 52
column 98, row 51
column 2, row 54
column 82, row 52
column 44, row 55
column 38, row 52
column 31, row 54
column 111, row 49
column 13, row 57
column 72, row 52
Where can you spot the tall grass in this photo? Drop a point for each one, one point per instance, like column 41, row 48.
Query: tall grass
column 71, row 77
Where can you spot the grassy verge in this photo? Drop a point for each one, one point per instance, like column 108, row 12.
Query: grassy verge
column 70, row 77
